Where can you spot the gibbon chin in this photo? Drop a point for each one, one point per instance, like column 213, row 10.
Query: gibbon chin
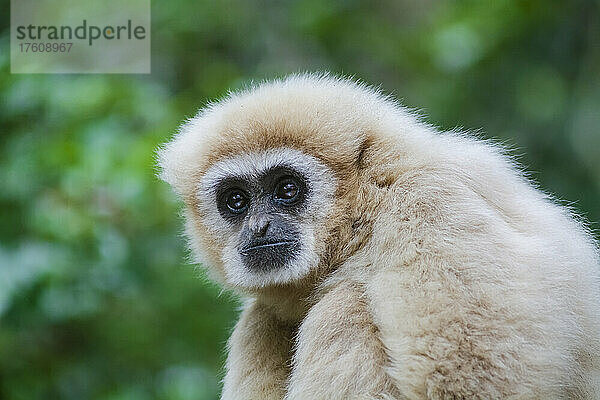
column 379, row 258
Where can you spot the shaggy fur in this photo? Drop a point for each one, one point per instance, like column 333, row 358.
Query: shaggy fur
column 442, row 273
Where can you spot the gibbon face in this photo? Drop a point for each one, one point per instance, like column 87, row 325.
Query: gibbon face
column 266, row 207
column 274, row 178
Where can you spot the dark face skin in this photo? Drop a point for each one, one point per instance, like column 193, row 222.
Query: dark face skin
column 266, row 212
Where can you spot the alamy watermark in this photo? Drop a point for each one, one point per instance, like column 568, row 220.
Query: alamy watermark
column 80, row 36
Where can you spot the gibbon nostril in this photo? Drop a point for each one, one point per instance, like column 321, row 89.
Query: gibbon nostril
column 261, row 230
column 259, row 225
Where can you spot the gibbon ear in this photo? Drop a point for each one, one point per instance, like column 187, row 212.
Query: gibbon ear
column 373, row 168
column 363, row 153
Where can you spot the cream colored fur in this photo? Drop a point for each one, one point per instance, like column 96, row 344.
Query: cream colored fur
column 442, row 273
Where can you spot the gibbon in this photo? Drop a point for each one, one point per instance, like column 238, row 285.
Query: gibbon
column 378, row 258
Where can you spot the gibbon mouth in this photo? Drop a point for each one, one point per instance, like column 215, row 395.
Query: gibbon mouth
column 265, row 246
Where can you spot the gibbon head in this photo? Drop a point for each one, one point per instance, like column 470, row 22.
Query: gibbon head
column 274, row 177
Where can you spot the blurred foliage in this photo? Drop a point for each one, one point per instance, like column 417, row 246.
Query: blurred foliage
column 97, row 300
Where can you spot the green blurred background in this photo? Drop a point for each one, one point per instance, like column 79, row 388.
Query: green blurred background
column 97, row 300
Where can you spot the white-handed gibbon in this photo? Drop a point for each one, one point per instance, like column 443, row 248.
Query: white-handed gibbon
column 378, row 258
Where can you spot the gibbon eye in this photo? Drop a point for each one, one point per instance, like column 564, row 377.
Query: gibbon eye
column 288, row 190
column 237, row 201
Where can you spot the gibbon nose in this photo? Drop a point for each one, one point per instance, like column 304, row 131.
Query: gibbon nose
column 258, row 225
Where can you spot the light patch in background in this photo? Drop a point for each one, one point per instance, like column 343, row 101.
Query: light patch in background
column 457, row 47
column 186, row 382
column 74, row 36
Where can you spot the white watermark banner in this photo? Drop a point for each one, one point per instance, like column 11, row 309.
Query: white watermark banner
column 80, row 36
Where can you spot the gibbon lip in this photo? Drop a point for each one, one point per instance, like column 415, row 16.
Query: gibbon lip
column 266, row 246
